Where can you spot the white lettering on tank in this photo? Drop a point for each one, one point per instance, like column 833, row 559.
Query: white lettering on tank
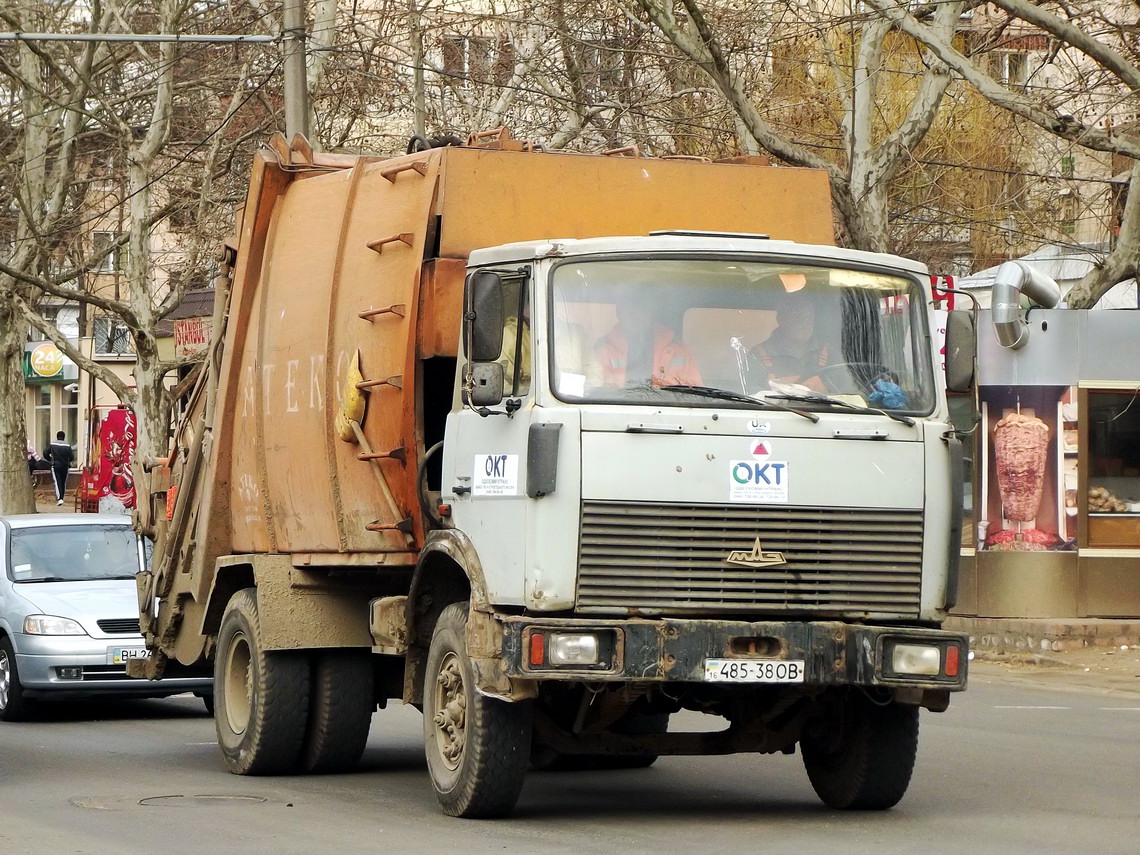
column 290, row 385
column 341, row 372
column 316, row 369
column 266, row 383
column 247, row 398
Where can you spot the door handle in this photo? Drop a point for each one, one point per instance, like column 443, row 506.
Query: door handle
column 460, row 489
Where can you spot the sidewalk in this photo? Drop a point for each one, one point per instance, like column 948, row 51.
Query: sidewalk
column 45, row 502
column 1096, row 654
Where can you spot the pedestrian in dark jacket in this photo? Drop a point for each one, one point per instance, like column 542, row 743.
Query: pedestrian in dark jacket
column 60, row 455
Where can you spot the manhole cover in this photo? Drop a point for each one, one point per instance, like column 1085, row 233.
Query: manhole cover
column 200, row 801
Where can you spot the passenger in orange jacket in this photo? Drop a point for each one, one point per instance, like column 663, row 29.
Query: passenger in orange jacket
column 639, row 352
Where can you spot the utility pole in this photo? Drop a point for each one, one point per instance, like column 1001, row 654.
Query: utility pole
column 420, row 115
column 296, row 86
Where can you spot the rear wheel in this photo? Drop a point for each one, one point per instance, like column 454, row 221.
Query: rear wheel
column 13, row 705
column 477, row 747
column 341, row 711
column 863, row 757
column 262, row 697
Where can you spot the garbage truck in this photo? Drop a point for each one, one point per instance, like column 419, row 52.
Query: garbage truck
column 562, row 449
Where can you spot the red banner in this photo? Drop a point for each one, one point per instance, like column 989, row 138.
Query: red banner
column 112, row 481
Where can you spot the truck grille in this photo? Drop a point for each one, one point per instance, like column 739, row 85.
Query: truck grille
column 669, row 558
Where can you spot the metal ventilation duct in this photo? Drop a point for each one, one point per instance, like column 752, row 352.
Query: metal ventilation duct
column 1013, row 279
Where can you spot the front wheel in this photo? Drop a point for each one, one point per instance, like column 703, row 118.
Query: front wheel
column 261, row 697
column 14, row 706
column 477, row 747
column 861, row 757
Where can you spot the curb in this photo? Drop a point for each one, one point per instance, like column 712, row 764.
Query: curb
column 1001, row 636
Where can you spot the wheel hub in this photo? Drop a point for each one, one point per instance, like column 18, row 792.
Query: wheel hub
column 451, row 712
column 238, row 678
column 5, row 679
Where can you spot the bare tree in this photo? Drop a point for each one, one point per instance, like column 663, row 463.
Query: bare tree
column 1106, row 67
column 871, row 154
column 45, row 120
column 156, row 121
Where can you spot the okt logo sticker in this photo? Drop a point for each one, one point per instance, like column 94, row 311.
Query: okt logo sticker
column 759, row 480
column 495, row 475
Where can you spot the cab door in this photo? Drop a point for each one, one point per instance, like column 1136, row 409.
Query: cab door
column 485, row 444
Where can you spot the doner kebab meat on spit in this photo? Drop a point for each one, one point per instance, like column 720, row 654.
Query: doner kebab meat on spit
column 1020, row 446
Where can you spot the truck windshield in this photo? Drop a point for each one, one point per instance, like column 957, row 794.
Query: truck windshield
column 625, row 330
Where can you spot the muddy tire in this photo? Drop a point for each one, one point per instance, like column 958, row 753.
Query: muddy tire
column 14, row 706
column 261, row 697
column 865, row 760
column 477, row 747
column 340, row 713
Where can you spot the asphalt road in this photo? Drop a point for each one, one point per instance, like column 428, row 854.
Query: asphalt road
column 1012, row 767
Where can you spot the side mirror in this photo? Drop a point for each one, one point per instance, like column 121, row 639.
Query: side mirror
column 483, row 318
column 485, row 386
column 961, row 347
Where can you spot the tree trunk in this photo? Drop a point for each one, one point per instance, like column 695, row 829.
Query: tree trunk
column 15, row 485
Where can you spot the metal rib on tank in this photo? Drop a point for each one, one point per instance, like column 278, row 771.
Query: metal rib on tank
column 674, row 558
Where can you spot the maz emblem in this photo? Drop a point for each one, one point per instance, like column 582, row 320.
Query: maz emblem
column 757, row 557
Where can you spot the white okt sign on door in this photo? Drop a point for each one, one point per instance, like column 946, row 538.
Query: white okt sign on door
column 495, row 475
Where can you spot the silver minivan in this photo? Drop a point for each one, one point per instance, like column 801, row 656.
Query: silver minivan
column 69, row 613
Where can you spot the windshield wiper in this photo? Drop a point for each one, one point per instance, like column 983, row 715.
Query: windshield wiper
column 846, row 405
column 42, row 579
column 726, row 395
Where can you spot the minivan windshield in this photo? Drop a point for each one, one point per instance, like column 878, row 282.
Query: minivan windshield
column 73, row 553
column 640, row 330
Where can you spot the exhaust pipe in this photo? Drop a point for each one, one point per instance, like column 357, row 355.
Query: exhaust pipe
column 1013, row 279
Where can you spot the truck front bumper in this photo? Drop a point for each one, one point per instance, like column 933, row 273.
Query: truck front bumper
column 675, row 650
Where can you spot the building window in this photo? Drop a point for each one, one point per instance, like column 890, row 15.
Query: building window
column 114, row 260
column 1068, row 210
column 112, row 338
column 1010, row 67
column 43, row 419
column 64, row 318
column 602, row 65
column 70, row 407
column 466, row 58
column 477, row 60
column 1112, row 489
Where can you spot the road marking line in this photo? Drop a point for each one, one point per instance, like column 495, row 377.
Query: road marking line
column 1119, row 709
column 1019, row 707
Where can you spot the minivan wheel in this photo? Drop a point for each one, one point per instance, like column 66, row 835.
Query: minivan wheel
column 14, row 706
